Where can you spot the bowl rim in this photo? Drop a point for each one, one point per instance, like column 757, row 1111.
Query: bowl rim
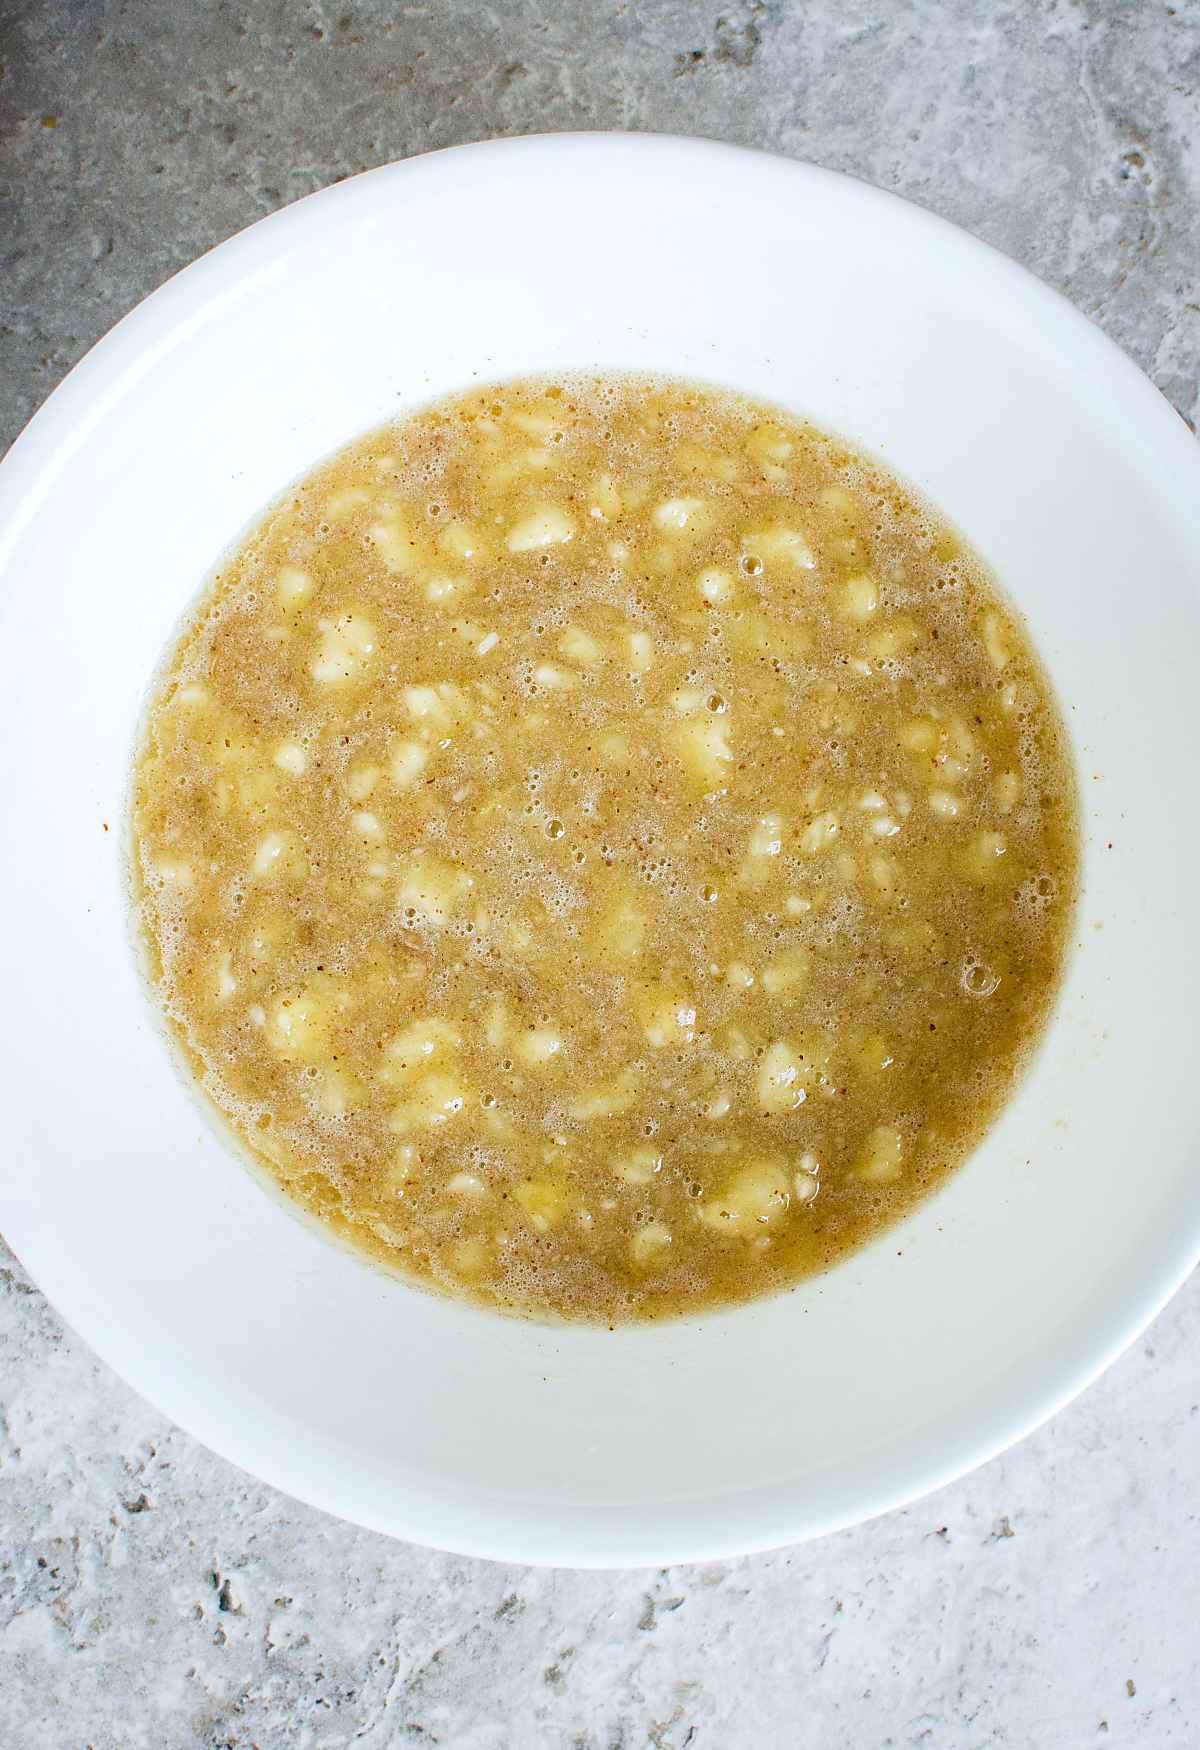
column 27, row 478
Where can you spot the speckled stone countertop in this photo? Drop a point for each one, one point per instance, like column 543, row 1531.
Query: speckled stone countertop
column 150, row 1595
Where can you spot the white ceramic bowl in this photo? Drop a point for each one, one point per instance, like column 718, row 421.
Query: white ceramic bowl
column 951, row 1336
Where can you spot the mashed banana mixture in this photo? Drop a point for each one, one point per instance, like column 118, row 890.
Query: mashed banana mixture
column 605, row 847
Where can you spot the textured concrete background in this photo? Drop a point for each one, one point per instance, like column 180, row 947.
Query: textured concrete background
column 152, row 1596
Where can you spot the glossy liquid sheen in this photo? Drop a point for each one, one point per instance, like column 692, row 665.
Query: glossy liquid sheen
column 605, row 847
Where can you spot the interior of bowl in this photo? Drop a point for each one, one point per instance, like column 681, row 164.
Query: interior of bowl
column 432, row 1419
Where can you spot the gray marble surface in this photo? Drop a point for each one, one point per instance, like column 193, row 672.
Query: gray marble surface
column 150, row 1595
